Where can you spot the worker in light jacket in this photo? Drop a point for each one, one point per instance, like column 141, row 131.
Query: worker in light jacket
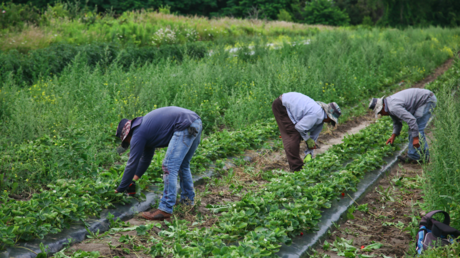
column 300, row 117
column 177, row 128
column 413, row 106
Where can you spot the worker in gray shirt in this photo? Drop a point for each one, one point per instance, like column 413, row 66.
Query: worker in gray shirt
column 300, row 117
column 413, row 106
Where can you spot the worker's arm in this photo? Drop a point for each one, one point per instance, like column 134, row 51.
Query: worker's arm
column 145, row 161
column 305, row 126
column 135, row 154
column 407, row 117
column 314, row 133
column 397, row 125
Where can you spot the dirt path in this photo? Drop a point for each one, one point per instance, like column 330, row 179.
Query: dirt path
column 391, row 206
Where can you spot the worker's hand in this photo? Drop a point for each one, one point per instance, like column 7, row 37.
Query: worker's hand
column 392, row 139
column 416, row 143
column 116, row 191
column 311, row 144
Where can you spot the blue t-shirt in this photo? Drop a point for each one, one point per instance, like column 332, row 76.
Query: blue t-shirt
column 154, row 131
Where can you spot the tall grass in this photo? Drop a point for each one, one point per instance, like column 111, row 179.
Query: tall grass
column 145, row 29
column 79, row 110
column 442, row 188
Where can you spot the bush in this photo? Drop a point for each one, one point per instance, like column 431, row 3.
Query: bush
column 15, row 15
column 53, row 59
column 367, row 21
column 284, row 16
column 325, row 12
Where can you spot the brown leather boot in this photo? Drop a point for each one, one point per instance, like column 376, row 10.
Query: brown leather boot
column 156, row 215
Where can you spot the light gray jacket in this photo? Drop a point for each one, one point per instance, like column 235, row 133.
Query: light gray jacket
column 402, row 107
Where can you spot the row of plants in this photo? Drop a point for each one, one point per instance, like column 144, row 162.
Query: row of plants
column 290, row 203
column 282, row 209
column 140, row 28
column 66, row 201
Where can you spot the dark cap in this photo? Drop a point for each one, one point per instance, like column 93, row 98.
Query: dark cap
column 120, row 127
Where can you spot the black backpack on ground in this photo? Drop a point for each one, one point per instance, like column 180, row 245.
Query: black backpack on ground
column 433, row 233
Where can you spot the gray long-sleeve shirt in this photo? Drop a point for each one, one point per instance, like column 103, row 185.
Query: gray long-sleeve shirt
column 402, row 107
column 305, row 114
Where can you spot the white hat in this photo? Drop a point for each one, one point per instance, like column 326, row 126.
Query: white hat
column 376, row 105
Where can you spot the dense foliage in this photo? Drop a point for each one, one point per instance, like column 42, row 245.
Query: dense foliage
column 26, row 69
column 382, row 12
column 65, row 24
column 443, row 175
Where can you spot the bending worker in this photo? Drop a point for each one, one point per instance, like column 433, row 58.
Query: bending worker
column 177, row 128
column 300, row 117
column 413, row 106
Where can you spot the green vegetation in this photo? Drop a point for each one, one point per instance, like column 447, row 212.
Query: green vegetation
column 325, row 12
column 274, row 214
column 58, row 128
column 381, row 12
column 137, row 28
column 443, row 174
column 444, row 251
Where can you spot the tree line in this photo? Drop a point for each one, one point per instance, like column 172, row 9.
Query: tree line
column 394, row 13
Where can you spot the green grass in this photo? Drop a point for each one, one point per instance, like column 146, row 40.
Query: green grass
column 442, row 188
column 144, row 28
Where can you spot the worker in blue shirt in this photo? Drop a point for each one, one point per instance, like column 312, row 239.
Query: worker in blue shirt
column 300, row 117
column 177, row 128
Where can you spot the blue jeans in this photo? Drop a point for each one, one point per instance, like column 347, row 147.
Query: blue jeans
column 422, row 114
column 177, row 162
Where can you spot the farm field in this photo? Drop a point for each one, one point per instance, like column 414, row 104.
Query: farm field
column 58, row 161
column 385, row 219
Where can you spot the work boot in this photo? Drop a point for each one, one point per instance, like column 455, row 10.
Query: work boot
column 131, row 191
column 156, row 215
column 406, row 159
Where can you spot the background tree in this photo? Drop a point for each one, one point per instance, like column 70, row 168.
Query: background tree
column 325, row 12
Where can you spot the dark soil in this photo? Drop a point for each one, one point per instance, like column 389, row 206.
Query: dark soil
column 380, row 224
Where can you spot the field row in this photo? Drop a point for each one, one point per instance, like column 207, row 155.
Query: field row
column 58, row 162
column 269, row 215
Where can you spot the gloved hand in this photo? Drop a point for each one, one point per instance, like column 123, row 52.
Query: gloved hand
column 311, row 144
column 392, row 139
column 416, row 142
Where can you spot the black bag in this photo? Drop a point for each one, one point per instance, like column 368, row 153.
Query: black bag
column 433, row 233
